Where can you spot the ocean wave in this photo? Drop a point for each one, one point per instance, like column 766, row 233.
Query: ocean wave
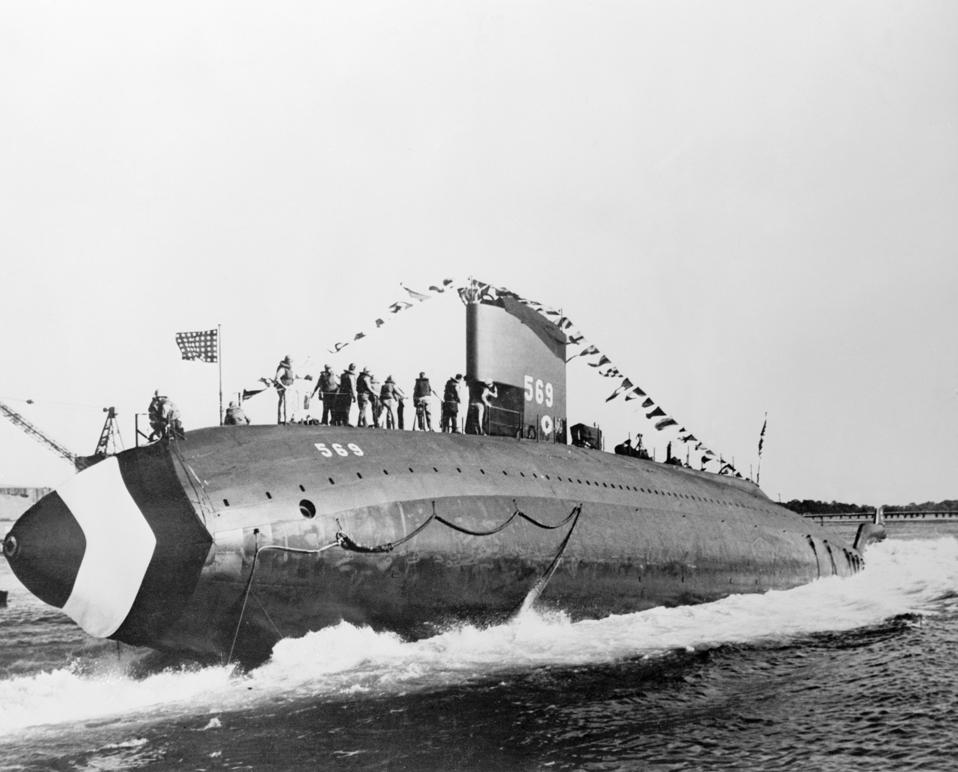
column 901, row 578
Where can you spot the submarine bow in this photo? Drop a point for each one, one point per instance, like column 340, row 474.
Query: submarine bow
column 114, row 548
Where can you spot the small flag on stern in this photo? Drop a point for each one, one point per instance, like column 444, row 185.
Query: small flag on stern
column 198, row 344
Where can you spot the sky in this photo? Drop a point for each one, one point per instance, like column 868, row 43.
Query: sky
column 750, row 207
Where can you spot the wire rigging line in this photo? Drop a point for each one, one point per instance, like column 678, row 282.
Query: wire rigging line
column 350, row 544
column 345, row 542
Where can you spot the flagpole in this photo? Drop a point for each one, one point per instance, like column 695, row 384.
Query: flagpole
column 761, row 441
column 219, row 360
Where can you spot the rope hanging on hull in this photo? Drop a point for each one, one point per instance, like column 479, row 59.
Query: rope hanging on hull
column 345, row 542
column 249, row 584
column 540, row 585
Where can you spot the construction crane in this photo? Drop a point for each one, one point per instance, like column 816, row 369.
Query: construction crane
column 107, row 444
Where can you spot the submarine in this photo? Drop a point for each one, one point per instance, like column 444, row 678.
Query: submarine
column 222, row 542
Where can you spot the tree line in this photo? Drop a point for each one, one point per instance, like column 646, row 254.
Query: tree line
column 813, row 507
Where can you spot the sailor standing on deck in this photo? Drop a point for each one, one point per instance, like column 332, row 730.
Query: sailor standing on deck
column 463, row 390
column 326, row 386
column 345, row 396
column 420, row 397
column 450, row 405
column 155, row 415
column 388, row 397
column 374, row 389
column 284, row 380
column 171, row 419
column 363, row 394
column 486, row 391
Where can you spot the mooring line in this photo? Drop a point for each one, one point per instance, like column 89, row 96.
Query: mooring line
column 249, row 584
column 345, row 542
column 533, row 595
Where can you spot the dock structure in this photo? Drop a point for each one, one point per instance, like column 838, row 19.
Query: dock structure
column 922, row 515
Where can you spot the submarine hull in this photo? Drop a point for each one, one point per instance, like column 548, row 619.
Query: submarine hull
column 272, row 531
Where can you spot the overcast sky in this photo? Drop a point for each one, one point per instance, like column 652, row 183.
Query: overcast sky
column 748, row 206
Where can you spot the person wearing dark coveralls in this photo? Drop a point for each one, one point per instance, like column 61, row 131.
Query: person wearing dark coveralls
column 284, row 379
column 155, row 416
column 235, row 416
column 420, row 396
column 450, row 405
column 345, row 396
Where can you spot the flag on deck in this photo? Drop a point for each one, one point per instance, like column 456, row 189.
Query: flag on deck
column 198, row 344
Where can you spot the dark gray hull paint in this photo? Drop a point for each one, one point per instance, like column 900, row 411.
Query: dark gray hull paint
column 648, row 534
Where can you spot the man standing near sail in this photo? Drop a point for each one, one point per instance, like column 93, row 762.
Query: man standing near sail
column 450, row 405
column 485, row 392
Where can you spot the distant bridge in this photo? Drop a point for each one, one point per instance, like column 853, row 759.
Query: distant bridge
column 915, row 516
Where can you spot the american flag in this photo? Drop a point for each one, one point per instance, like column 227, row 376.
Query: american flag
column 198, row 344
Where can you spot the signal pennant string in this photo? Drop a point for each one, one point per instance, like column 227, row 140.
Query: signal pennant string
column 474, row 289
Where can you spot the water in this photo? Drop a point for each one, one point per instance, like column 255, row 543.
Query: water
column 841, row 674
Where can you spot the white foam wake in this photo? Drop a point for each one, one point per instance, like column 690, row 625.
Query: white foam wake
column 902, row 577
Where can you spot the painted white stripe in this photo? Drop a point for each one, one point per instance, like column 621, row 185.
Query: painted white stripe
column 119, row 546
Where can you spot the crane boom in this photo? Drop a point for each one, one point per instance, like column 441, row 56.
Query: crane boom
column 34, row 432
